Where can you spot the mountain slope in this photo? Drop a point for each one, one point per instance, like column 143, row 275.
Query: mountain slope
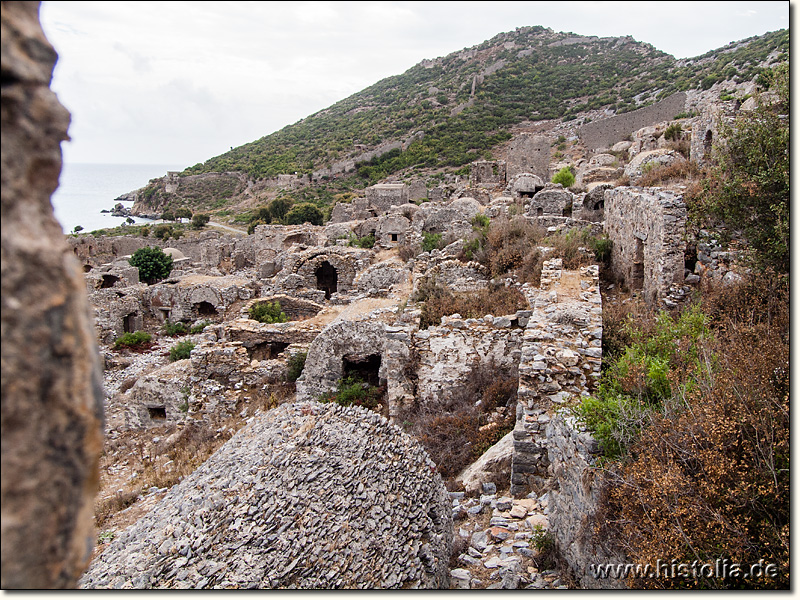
column 452, row 110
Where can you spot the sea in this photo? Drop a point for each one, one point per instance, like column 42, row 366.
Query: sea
column 85, row 190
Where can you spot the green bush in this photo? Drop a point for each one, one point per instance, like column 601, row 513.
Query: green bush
column 153, row 264
column 368, row 241
column 174, row 329
column 431, row 241
column 304, row 213
column 181, row 350
column 200, row 220
column 297, row 363
column 267, row 312
column 673, row 132
column 636, row 384
column 352, row 390
column 133, row 340
column 565, row 177
column 602, row 248
column 163, row 231
column 199, row 327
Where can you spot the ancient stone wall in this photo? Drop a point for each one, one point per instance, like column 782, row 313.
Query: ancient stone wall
column 52, row 393
column 607, row 132
column 385, row 195
column 448, row 354
column 305, row 496
column 560, row 360
column 646, row 227
column 528, row 153
column 487, row 173
column 573, row 503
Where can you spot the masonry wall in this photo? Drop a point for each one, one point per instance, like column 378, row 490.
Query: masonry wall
column 560, row 360
column 646, row 227
column 528, row 153
column 607, row 132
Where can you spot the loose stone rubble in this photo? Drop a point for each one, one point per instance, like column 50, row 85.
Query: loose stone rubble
column 302, row 497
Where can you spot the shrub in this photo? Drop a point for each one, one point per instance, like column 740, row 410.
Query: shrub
column 200, row 220
column 175, row 329
column 602, row 248
column 708, row 478
column 673, row 132
column 304, row 213
column 431, row 241
column 181, row 350
column 297, row 363
column 137, row 339
column 153, row 264
column 267, row 312
column 163, row 231
column 368, row 241
column 565, row 177
column 749, row 185
column 438, row 302
column 353, row 390
column 199, row 327
column 455, row 430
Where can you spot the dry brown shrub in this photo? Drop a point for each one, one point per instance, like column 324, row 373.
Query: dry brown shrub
column 441, row 302
column 709, row 478
column 679, row 171
column 408, row 251
column 453, row 430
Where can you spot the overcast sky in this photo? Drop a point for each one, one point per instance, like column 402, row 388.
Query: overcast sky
column 176, row 83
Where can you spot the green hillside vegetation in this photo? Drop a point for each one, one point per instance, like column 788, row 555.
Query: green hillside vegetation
column 532, row 81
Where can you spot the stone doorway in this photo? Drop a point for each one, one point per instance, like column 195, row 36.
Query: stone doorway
column 637, row 270
column 327, row 279
column 129, row 323
column 266, row 350
column 205, row 309
column 364, row 368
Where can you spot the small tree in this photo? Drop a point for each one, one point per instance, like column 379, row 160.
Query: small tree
column 183, row 213
column 168, row 215
column 304, row 213
column 565, row 177
column 153, row 264
column 77, row 228
column 200, row 220
column 278, row 209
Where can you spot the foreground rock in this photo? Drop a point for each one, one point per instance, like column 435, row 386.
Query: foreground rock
column 51, row 386
column 305, row 496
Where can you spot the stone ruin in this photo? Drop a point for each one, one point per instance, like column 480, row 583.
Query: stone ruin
column 303, row 497
column 347, row 312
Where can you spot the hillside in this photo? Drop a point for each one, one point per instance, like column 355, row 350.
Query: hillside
column 452, row 110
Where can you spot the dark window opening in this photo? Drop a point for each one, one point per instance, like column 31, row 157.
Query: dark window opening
column 87, row 268
column 108, row 281
column 165, row 312
column 327, row 279
column 539, row 211
column 707, row 143
column 567, row 212
column 393, row 237
column 366, row 369
column 129, row 323
column 690, row 257
column 637, row 272
column 266, row 350
column 205, row 309
column 157, row 413
column 527, row 194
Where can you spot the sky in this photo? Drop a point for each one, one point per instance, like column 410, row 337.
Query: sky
column 177, row 83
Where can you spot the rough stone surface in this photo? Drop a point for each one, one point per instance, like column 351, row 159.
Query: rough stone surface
column 51, row 383
column 646, row 227
column 305, row 496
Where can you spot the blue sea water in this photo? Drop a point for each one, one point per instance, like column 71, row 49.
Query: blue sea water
column 86, row 189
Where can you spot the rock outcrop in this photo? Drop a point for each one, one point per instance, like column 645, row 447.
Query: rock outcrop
column 51, row 384
column 305, row 496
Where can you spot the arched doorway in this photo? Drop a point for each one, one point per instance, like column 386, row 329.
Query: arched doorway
column 327, row 279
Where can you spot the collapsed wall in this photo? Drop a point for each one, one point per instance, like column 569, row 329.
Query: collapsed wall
column 646, row 227
column 305, row 496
